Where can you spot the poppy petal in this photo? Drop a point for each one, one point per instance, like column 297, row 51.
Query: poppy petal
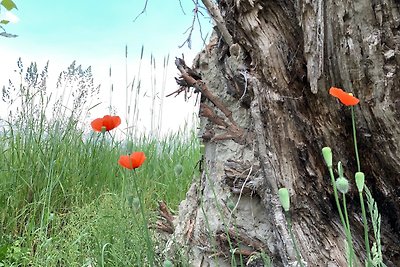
column 344, row 97
column 125, row 161
column 336, row 92
column 137, row 159
column 108, row 122
column 116, row 121
column 97, row 124
column 349, row 100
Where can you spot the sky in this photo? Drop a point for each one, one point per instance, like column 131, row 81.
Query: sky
column 96, row 35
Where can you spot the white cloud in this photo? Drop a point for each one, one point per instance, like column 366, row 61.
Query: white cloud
column 9, row 16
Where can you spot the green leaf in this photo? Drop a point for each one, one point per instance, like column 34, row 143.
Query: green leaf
column 3, row 252
column 8, row 4
column 4, row 22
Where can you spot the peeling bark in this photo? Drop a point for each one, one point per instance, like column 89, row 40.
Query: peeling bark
column 266, row 114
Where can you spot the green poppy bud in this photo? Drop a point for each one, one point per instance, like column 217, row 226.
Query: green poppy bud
column 340, row 169
column 230, row 205
column 360, row 179
column 134, row 202
column 327, row 153
column 167, row 263
column 202, row 149
column 178, row 169
column 342, row 184
column 284, row 198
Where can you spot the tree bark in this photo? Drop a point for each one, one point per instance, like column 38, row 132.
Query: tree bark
column 265, row 116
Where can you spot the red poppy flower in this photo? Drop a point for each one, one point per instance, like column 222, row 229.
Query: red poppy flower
column 344, row 97
column 107, row 122
column 132, row 161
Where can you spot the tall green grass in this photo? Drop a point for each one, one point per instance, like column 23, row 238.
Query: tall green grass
column 64, row 199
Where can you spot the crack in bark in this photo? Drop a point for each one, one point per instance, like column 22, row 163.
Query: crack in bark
column 269, row 194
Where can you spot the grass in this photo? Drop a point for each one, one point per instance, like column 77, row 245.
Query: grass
column 67, row 201
column 64, row 199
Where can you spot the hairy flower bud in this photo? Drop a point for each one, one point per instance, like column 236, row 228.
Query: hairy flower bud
column 178, row 169
column 360, row 179
column 327, row 153
column 284, row 198
column 202, row 149
column 342, row 185
column 167, row 263
column 230, row 205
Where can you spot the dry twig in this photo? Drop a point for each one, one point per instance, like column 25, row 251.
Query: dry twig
column 219, row 20
column 190, row 78
column 165, row 224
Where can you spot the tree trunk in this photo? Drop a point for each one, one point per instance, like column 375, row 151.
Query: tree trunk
column 265, row 116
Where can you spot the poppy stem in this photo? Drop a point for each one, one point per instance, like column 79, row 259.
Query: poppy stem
column 343, row 218
column 112, row 138
column 289, row 224
column 350, row 248
column 353, row 121
column 364, row 215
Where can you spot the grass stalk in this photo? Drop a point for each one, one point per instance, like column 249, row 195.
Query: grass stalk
column 149, row 243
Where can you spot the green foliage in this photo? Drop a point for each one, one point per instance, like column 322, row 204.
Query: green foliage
column 8, row 4
column 259, row 259
column 66, row 200
column 14, row 254
column 376, row 250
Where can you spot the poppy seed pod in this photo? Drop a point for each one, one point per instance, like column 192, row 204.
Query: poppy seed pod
column 360, row 180
column 342, row 185
column 284, row 198
column 167, row 263
column 327, row 154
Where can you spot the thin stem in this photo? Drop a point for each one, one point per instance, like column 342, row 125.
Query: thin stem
column 353, row 121
column 348, row 233
column 335, row 193
column 364, row 215
column 366, row 239
column 146, row 229
column 345, row 223
column 289, row 223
